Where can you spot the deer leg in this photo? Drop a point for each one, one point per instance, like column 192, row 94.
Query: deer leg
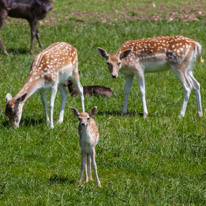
column 196, row 87
column 95, row 168
column 89, row 166
column 128, row 84
column 44, row 101
column 3, row 15
column 38, row 39
column 33, row 25
column 79, row 87
column 85, row 170
column 63, row 92
column 141, row 83
column 83, row 162
column 51, row 105
column 185, row 81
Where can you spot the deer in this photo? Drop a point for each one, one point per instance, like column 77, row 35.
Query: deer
column 88, row 138
column 157, row 54
column 49, row 70
column 93, row 90
column 32, row 11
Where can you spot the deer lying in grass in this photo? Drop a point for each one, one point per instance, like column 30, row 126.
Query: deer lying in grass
column 89, row 136
column 32, row 11
column 155, row 55
column 49, row 70
column 89, row 90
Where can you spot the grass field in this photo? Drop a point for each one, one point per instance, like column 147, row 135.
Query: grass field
column 157, row 161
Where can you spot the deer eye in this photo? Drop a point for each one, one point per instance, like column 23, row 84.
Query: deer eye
column 109, row 64
column 119, row 63
column 79, row 118
column 88, row 118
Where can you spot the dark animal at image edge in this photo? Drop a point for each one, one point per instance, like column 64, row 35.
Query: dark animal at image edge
column 31, row 10
column 89, row 90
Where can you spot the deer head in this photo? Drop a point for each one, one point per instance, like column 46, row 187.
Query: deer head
column 114, row 61
column 84, row 117
column 14, row 109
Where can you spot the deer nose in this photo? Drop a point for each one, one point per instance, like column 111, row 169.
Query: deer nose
column 114, row 76
column 83, row 124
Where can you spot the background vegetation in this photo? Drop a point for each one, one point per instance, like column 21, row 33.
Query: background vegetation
column 156, row 161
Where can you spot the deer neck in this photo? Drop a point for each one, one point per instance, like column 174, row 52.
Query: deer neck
column 29, row 88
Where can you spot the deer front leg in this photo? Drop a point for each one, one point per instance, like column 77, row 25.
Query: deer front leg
column 33, row 26
column 44, row 101
column 63, row 92
column 83, row 162
column 141, row 83
column 79, row 87
column 38, row 39
column 128, row 84
column 95, row 168
column 52, row 98
column 89, row 166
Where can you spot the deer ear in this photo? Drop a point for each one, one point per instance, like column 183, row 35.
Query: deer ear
column 75, row 112
column 102, row 53
column 21, row 99
column 125, row 53
column 93, row 111
column 8, row 97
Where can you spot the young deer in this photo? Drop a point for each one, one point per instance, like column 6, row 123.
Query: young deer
column 89, row 90
column 155, row 55
column 89, row 136
column 49, row 70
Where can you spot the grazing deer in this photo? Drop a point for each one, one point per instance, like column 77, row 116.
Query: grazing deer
column 89, row 136
column 155, row 55
column 49, row 70
column 89, row 90
column 32, row 11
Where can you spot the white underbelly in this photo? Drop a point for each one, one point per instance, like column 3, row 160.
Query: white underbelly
column 65, row 73
column 157, row 66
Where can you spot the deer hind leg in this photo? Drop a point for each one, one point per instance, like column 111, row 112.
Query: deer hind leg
column 44, row 101
column 3, row 15
column 51, row 104
column 186, row 83
column 196, row 87
column 63, row 92
column 128, row 84
column 77, row 84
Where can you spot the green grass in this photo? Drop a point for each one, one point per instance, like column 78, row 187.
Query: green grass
column 156, row 161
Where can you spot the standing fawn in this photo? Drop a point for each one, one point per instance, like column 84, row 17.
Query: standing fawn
column 155, row 55
column 49, row 70
column 88, row 138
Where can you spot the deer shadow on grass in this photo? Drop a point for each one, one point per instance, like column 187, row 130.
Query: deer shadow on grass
column 25, row 122
column 60, row 180
column 118, row 113
column 17, row 51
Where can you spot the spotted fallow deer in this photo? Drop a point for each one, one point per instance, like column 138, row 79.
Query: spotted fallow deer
column 49, row 70
column 155, row 55
column 88, row 138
